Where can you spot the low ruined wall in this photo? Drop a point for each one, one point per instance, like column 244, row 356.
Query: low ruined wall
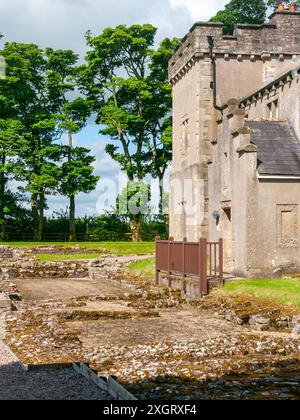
column 6, row 252
column 16, row 263
column 36, row 269
column 62, row 250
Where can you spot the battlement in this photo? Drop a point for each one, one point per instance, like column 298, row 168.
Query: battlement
column 278, row 38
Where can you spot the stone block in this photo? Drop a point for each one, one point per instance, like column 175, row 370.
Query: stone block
column 260, row 323
column 5, row 303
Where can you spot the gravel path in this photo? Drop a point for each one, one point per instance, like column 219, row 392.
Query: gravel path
column 47, row 384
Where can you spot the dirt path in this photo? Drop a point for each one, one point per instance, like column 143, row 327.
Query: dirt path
column 63, row 384
column 40, row 289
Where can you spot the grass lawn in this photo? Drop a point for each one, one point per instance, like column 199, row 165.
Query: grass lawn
column 143, row 268
column 118, row 248
column 283, row 291
column 47, row 257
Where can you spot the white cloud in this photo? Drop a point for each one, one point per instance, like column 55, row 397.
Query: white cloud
column 197, row 10
column 63, row 23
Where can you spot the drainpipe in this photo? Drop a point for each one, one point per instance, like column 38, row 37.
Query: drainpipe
column 213, row 84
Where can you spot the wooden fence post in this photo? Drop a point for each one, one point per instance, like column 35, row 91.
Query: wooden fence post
column 204, row 261
column 200, row 252
column 183, row 266
column 221, row 264
column 157, row 273
column 170, row 260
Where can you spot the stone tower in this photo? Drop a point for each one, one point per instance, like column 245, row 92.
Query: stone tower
column 245, row 61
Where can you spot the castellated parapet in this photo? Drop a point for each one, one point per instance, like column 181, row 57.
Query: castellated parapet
column 279, row 38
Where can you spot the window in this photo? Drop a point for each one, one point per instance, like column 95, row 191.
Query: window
column 273, row 110
column 185, row 136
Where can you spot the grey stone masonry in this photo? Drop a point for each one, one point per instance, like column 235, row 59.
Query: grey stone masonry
column 276, row 38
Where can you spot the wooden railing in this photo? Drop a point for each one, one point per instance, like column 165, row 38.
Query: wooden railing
column 203, row 260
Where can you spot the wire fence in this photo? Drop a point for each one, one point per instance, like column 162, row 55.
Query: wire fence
column 56, row 237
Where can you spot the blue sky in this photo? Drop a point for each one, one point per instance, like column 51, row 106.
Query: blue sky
column 63, row 23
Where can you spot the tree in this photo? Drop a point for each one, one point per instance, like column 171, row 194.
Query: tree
column 241, row 11
column 160, row 131
column 127, row 81
column 10, row 141
column 275, row 3
column 27, row 97
column 76, row 177
column 119, row 101
column 72, row 116
column 133, row 202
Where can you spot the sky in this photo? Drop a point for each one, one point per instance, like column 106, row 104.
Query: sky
column 63, row 24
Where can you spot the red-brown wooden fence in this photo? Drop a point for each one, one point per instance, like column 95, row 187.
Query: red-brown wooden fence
column 203, row 260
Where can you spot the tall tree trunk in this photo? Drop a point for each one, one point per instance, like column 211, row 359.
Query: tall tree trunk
column 40, row 221
column 35, row 215
column 136, row 228
column 2, row 200
column 72, row 227
column 72, row 205
column 161, row 196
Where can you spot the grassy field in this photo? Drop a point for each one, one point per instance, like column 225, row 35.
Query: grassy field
column 47, row 257
column 118, row 248
column 283, row 291
column 143, row 268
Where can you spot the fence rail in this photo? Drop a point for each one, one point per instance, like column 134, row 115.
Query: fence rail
column 203, row 260
column 56, row 237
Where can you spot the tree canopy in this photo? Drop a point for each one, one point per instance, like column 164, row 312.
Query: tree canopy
column 126, row 79
column 46, row 96
column 241, row 11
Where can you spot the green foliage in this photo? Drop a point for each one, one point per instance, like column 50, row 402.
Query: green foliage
column 134, row 200
column 143, row 268
column 285, row 291
column 115, row 248
column 241, row 11
column 26, row 98
column 127, row 81
column 275, row 3
column 109, row 227
column 65, row 257
column 35, row 111
column 77, row 172
column 153, row 227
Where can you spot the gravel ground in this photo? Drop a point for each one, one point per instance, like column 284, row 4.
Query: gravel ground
column 46, row 384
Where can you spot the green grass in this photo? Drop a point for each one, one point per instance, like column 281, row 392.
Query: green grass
column 143, row 267
column 283, row 291
column 118, row 248
column 64, row 257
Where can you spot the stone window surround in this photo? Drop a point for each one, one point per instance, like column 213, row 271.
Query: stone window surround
column 292, row 242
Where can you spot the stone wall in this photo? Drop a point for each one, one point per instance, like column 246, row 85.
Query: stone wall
column 252, row 57
column 62, row 250
column 276, row 40
column 6, row 252
column 47, row 269
column 249, row 206
column 15, row 263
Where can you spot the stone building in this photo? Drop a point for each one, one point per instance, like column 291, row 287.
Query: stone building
column 236, row 148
